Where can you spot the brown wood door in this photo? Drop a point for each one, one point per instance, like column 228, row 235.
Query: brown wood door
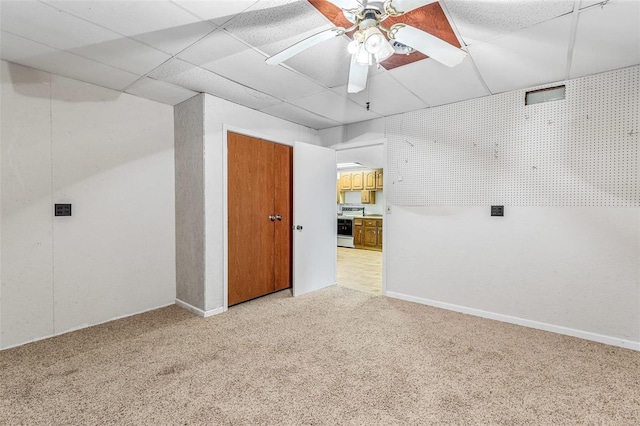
column 283, row 202
column 259, row 186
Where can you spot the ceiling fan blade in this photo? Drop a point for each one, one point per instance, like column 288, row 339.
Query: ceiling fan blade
column 404, row 6
column 347, row 4
column 304, row 45
column 428, row 44
column 357, row 76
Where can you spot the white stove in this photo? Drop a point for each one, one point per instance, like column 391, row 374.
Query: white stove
column 345, row 225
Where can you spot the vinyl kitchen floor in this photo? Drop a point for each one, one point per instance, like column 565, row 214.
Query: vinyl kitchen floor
column 360, row 269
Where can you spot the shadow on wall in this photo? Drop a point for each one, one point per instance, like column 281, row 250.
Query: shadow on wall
column 23, row 81
column 81, row 131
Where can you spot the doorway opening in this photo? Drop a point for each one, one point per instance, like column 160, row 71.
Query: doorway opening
column 360, row 207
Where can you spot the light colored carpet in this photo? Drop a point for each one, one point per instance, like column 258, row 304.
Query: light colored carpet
column 337, row 356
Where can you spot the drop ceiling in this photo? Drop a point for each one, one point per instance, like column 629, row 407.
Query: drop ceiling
column 168, row 51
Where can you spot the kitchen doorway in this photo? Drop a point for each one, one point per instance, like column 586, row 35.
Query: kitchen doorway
column 360, row 212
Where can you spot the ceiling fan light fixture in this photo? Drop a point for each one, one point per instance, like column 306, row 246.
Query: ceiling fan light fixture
column 373, row 40
column 362, row 56
column 385, row 52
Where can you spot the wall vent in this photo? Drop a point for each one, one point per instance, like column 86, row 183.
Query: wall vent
column 544, row 95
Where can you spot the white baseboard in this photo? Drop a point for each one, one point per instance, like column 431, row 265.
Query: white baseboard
column 198, row 311
column 608, row 340
column 86, row 325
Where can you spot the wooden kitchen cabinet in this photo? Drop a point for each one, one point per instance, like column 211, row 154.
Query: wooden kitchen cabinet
column 373, row 234
column 370, row 180
column 367, row 197
column 345, row 181
column 358, row 233
column 379, row 179
column 357, row 181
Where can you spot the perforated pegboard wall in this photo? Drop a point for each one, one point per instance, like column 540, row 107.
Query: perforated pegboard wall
column 581, row 151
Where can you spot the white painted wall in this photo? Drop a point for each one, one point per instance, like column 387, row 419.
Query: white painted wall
column 222, row 115
column 111, row 156
column 571, row 270
column 567, row 267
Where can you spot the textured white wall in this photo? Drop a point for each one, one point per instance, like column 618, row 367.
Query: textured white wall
column 189, row 163
column 218, row 114
column 27, row 205
column 111, row 156
column 572, row 267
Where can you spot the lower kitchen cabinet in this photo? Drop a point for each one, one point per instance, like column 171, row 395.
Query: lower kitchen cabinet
column 358, row 233
column 367, row 233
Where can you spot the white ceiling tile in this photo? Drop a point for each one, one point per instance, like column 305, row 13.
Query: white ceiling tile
column 588, row 3
column 174, row 40
column 228, row 57
column 437, row 84
column 535, row 55
column 479, row 21
column 297, row 115
column 198, row 79
column 607, row 38
column 159, row 91
column 291, row 22
column 47, row 25
column 154, row 22
column 124, row 53
column 273, row 25
column 386, row 96
column 327, row 63
column 335, row 107
column 218, row 11
column 26, row 52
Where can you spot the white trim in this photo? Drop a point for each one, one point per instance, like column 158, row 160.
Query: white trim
column 358, row 144
column 197, row 311
column 83, row 326
column 608, row 340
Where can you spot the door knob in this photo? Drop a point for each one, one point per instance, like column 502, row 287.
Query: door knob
column 278, row 217
column 272, row 217
column 299, row 228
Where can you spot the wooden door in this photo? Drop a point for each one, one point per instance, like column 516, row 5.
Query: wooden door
column 283, row 202
column 259, row 188
column 380, row 234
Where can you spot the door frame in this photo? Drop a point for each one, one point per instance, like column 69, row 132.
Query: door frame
column 364, row 144
column 225, row 197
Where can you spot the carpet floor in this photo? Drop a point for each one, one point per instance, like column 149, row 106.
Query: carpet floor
column 337, row 356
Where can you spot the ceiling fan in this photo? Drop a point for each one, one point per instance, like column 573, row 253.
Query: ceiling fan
column 369, row 45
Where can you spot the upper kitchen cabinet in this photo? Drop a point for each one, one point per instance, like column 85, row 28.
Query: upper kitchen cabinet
column 367, row 180
column 357, row 181
column 345, row 181
column 379, row 179
column 370, row 178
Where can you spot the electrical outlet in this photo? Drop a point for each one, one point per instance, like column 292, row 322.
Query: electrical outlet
column 497, row 210
column 62, row 210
